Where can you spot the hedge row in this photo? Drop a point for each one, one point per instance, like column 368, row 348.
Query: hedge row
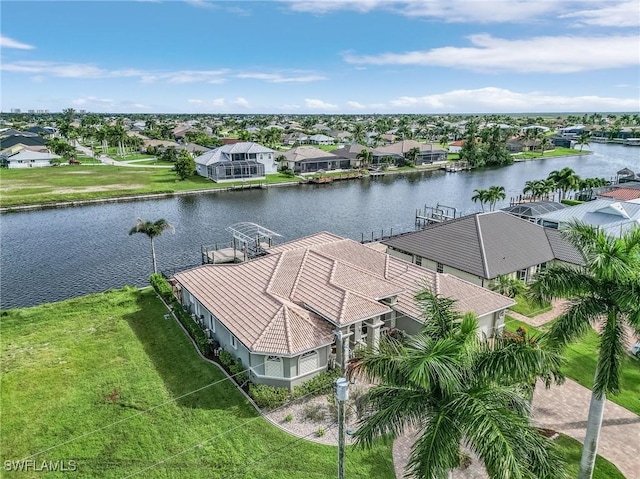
column 162, row 287
column 270, row 397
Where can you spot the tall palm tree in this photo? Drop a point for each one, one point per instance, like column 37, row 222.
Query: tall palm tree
column 583, row 139
column 413, row 155
column 480, row 196
column 495, row 194
column 565, row 180
column 606, row 289
column 455, row 389
column 152, row 230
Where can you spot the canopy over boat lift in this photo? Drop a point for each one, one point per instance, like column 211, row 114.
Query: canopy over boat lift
column 249, row 240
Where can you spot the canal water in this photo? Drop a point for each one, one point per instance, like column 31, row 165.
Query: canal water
column 56, row 254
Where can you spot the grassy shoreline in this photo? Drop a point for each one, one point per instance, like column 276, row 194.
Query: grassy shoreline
column 72, row 186
column 105, row 381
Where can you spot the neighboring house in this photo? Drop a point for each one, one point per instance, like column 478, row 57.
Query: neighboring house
column 351, row 152
column 280, row 313
column 308, row 159
column 621, row 194
column 193, row 148
column 27, row 159
column 320, row 140
column 483, row 246
column 562, row 142
column 159, row 144
column 11, row 137
column 16, row 148
column 428, row 152
column 571, row 131
column 456, row 146
column 614, row 217
column 243, row 160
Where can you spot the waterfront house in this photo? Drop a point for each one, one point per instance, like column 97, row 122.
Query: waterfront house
column 320, row 139
column 309, row 159
column 401, row 149
column 238, row 161
column 614, row 217
column 26, row 158
column 280, row 314
column 482, row 246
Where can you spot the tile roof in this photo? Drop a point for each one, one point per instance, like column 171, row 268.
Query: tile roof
column 403, row 147
column 483, row 244
column 290, row 300
column 301, row 153
column 622, row 194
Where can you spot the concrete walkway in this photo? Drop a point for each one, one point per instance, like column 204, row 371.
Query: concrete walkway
column 563, row 409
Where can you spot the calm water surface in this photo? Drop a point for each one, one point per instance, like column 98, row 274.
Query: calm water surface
column 51, row 255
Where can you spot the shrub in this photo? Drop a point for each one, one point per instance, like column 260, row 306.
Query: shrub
column 268, row 397
column 320, row 432
column 161, row 286
column 314, row 412
column 226, row 359
column 238, row 372
column 323, row 383
column 288, row 418
column 569, row 202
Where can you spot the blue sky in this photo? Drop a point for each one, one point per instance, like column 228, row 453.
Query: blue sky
column 365, row 56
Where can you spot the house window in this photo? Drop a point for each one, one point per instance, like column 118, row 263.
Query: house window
column 522, row 274
column 418, row 261
column 439, row 268
column 234, row 342
column 273, row 366
column 212, row 323
column 308, row 363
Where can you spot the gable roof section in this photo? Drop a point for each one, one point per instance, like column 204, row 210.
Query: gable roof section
column 601, row 212
column 223, row 152
column 483, row 244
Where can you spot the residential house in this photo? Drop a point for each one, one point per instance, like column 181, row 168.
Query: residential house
column 351, row 152
column 482, row 246
column 281, row 313
column 320, row 139
column 11, row 137
column 238, row 161
column 614, row 217
column 427, row 152
column 308, row 159
column 572, row 131
column 27, row 159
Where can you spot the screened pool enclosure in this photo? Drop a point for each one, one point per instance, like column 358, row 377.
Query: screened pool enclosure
column 235, row 170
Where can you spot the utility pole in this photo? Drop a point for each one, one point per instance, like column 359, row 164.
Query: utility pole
column 342, row 394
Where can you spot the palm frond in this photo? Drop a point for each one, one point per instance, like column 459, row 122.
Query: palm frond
column 559, row 281
column 610, row 356
column 575, row 322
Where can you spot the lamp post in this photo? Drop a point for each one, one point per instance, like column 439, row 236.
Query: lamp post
column 342, row 395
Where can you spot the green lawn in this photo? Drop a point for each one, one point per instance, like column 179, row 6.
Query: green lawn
column 571, row 450
column 558, row 151
column 581, row 358
column 61, row 362
column 47, row 185
column 527, row 308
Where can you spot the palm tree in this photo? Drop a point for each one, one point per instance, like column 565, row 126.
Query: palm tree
column 606, row 289
column 365, row 157
column 565, row 180
column 152, row 230
column 583, row 139
column 481, row 196
column 413, row 155
column 544, row 143
column 455, row 389
column 509, row 286
column 495, row 194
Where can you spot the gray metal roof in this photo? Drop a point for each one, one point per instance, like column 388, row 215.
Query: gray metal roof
column 484, row 244
column 615, row 217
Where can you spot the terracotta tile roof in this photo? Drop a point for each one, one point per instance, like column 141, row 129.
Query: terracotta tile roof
column 290, row 300
column 622, row 194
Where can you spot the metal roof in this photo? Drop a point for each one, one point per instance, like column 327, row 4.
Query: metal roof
column 534, row 209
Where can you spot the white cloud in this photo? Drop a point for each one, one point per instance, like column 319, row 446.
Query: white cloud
column 218, row 102
column 315, row 104
column 289, row 107
column 92, row 100
column 243, row 102
column 64, row 70
column 201, row 4
column 562, row 54
column 6, row 42
column 489, row 11
column 499, row 100
column 277, row 78
column 194, row 101
column 356, row 105
column 622, row 14
column 193, row 76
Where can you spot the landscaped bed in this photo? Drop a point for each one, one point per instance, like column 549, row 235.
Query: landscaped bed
column 109, row 367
